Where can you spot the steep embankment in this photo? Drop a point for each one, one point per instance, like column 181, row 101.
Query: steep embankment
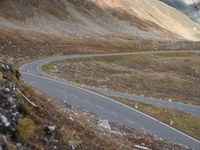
column 108, row 18
column 44, row 123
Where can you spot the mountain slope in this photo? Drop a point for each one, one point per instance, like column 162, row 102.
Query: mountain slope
column 191, row 8
column 98, row 18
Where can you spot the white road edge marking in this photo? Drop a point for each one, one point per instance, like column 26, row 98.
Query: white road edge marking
column 114, row 102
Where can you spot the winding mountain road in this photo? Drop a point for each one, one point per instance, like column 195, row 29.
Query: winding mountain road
column 104, row 106
column 193, row 109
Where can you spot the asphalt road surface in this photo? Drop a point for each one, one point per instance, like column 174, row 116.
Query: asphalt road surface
column 101, row 105
column 193, row 109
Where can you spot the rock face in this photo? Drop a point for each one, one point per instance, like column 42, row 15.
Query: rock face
column 9, row 110
column 108, row 18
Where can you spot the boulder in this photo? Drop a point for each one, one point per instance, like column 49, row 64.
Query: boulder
column 104, row 124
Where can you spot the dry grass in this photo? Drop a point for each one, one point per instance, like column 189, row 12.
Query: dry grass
column 27, row 128
column 32, row 38
column 115, row 18
column 82, row 131
column 168, row 76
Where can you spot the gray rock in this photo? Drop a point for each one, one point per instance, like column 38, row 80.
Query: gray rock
column 116, row 133
column 104, row 124
column 5, row 121
column 3, row 140
column 51, row 128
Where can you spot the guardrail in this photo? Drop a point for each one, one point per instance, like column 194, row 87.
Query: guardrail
column 27, row 99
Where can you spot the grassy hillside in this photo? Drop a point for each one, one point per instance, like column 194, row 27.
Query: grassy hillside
column 143, row 19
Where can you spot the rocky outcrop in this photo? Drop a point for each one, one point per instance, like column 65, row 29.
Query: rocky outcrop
column 10, row 109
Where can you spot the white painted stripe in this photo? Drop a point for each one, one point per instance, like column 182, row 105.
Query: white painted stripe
column 114, row 102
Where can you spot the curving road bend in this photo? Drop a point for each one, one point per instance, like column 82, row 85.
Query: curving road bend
column 103, row 106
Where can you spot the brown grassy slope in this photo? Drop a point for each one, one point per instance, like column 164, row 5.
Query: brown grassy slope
column 78, row 18
column 159, row 13
column 34, row 28
column 169, row 76
column 73, row 127
column 21, row 44
column 92, row 18
column 180, row 120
